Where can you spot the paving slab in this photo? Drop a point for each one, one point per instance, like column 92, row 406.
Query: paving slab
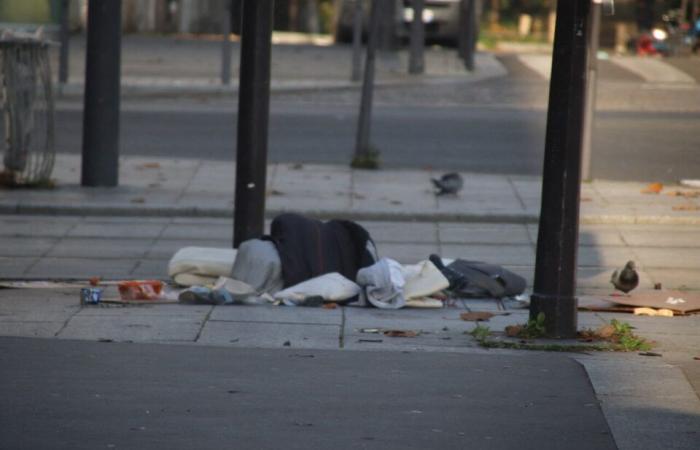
column 26, row 246
column 104, row 248
column 270, row 335
column 278, row 314
column 465, row 233
column 16, row 266
column 81, row 268
column 495, row 254
column 133, row 327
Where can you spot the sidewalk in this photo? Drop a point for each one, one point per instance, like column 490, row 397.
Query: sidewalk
column 163, row 187
column 154, row 65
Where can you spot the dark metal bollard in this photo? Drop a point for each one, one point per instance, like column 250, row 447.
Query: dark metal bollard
column 557, row 242
column 416, row 63
column 226, row 43
column 357, row 42
column 253, row 117
column 65, row 37
column 100, row 166
column 362, row 144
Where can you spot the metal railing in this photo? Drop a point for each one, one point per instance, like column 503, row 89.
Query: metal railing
column 27, row 109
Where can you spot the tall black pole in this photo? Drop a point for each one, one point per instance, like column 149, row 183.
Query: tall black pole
column 356, row 42
column 416, row 64
column 557, row 243
column 253, row 116
column 362, row 145
column 64, row 15
column 226, row 43
column 100, row 166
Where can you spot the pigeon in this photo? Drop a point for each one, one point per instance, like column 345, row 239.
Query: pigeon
column 450, row 183
column 626, row 279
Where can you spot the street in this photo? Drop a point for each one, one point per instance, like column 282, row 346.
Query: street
column 628, row 145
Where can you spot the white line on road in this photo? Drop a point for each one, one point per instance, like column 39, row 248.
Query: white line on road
column 652, row 70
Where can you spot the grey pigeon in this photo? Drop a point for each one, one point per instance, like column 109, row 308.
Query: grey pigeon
column 626, row 279
column 450, row 183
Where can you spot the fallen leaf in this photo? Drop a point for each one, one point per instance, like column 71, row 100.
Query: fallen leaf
column 696, row 358
column 513, row 330
column 138, row 200
column 400, row 333
column 686, row 194
column 657, row 286
column 476, row 316
column 586, row 199
column 653, row 188
column 650, row 354
column 149, row 165
column 275, row 192
column 297, row 166
column 330, row 305
column 686, row 208
column 605, row 331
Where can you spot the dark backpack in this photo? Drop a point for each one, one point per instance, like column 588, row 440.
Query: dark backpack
column 479, row 279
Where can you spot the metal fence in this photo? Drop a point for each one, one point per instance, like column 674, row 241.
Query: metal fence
column 27, row 109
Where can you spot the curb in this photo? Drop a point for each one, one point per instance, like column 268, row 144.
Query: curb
column 137, row 90
column 389, row 216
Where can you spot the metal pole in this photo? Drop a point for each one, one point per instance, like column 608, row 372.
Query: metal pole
column 471, row 23
column 357, row 42
column 362, row 147
column 226, row 44
column 557, row 243
column 65, row 36
column 253, row 117
column 100, row 164
column 591, row 89
column 416, row 62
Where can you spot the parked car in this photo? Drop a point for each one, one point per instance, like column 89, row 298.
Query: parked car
column 441, row 19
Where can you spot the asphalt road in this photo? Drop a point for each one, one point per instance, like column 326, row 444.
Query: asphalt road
column 60, row 394
column 627, row 145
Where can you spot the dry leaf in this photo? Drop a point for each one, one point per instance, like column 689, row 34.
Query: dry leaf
column 138, row 200
column 513, row 330
column 686, row 208
column 476, row 316
column 400, row 333
column 272, row 192
column 653, row 188
column 150, row 165
column 586, row 199
column 686, row 194
column 605, row 332
column 330, row 305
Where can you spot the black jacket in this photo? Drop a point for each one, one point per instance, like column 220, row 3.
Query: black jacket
column 309, row 248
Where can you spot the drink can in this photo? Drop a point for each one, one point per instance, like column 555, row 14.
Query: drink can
column 90, row 296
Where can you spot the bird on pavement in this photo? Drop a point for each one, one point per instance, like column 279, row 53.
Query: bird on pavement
column 450, row 183
column 626, row 279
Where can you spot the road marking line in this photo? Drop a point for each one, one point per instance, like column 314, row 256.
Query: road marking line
column 541, row 64
column 652, row 70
